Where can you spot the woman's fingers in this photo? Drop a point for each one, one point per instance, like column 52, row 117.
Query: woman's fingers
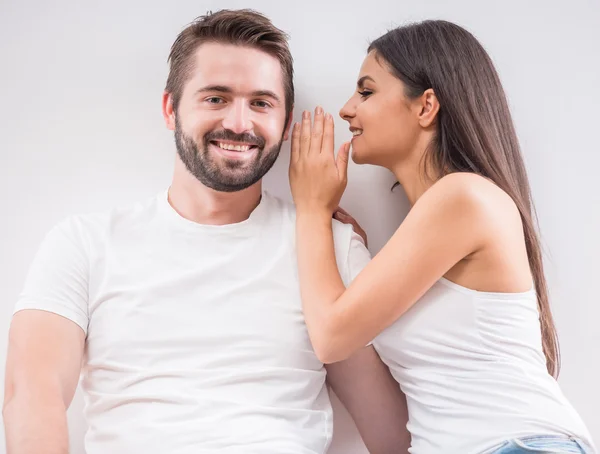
column 305, row 133
column 341, row 161
column 328, row 135
column 315, row 175
column 343, row 216
column 316, row 137
column 295, row 148
column 342, row 211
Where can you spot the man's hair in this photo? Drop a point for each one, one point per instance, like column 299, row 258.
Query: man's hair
column 242, row 27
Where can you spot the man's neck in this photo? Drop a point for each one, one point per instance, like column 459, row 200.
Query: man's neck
column 203, row 205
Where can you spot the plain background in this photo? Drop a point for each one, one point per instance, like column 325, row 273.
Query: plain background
column 81, row 131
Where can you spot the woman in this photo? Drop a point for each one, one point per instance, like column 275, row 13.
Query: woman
column 456, row 302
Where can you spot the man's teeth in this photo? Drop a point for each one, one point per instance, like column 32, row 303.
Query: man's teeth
column 227, row 146
column 357, row 132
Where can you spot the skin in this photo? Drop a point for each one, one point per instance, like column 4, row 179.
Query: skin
column 461, row 226
column 46, row 350
column 245, row 73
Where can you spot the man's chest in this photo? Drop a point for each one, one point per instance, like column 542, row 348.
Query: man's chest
column 212, row 308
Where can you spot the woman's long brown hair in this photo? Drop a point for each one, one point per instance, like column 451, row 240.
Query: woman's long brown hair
column 475, row 131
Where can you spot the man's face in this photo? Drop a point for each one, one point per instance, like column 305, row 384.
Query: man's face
column 230, row 121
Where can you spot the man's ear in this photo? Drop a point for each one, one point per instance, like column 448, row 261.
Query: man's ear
column 167, row 110
column 288, row 126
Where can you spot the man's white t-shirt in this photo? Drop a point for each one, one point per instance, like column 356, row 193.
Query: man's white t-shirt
column 195, row 338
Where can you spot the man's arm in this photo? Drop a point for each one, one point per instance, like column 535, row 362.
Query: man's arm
column 44, row 361
column 373, row 398
column 363, row 382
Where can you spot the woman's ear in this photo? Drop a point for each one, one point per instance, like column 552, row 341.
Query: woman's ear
column 429, row 108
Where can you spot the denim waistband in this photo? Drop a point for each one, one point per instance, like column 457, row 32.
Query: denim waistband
column 543, row 444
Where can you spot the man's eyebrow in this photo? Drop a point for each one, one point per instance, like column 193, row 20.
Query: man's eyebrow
column 219, row 88
column 225, row 89
column 267, row 93
column 361, row 81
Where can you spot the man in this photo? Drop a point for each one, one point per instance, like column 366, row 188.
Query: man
column 185, row 309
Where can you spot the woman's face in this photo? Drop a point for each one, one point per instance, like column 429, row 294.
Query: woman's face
column 385, row 123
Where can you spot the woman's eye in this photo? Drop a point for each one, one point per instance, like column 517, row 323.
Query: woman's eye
column 365, row 93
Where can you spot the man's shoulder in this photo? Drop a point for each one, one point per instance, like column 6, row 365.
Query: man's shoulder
column 98, row 223
column 279, row 204
column 288, row 209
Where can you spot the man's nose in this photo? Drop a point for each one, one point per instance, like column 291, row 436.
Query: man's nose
column 237, row 118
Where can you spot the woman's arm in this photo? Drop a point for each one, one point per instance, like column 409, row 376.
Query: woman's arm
column 448, row 223
column 443, row 227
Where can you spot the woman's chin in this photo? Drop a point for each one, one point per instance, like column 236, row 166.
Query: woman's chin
column 357, row 158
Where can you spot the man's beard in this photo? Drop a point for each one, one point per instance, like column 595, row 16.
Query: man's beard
column 225, row 175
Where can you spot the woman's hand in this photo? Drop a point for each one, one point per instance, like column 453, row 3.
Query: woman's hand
column 317, row 178
column 346, row 218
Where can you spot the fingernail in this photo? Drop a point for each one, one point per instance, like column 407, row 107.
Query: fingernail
column 328, row 116
column 306, row 114
column 319, row 110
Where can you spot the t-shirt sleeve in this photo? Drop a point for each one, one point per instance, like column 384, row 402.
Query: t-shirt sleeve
column 358, row 256
column 57, row 280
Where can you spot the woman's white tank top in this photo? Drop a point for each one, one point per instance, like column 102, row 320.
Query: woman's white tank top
column 472, row 368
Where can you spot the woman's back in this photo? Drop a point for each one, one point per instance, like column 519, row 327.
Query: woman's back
column 472, row 368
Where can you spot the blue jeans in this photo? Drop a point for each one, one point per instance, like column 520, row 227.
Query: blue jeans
column 547, row 444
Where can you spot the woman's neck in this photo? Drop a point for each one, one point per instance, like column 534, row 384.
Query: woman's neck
column 412, row 175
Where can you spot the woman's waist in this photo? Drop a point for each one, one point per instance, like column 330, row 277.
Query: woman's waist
column 480, row 408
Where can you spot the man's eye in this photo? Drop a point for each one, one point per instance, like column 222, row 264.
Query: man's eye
column 214, row 100
column 261, row 104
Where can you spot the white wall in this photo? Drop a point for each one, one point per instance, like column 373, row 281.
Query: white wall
column 81, row 130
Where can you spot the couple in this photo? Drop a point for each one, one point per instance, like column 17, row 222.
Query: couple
column 209, row 319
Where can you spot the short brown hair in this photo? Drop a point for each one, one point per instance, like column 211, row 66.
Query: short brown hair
column 242, row 27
